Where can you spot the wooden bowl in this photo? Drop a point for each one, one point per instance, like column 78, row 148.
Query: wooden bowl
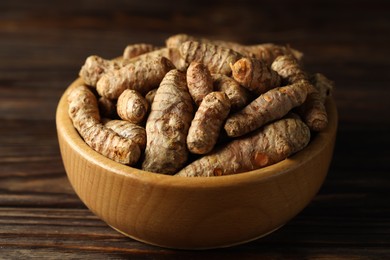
column 194, row 213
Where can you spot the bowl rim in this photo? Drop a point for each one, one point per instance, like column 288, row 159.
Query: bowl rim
column 70, row 135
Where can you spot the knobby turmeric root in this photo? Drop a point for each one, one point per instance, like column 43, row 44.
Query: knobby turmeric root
column 313, row 111
column 271, row 144
column 323, row 85
column 269, row 106
column 110, row 144
column 132, row 106
column 84, row 113
column 142, row 76
column 171, row 54
column 289, row 69
column 255, row 75
column 266, row 52
column 83, row 108
column 134, row 50
column 95, row 67
column 176, row 40
column 167, row 125
column 199, row 81
column 215, row 57
column 203, row 133
column 238, row 95
column 128, row 130
column 147, row 56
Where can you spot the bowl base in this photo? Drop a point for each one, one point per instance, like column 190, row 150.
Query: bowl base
column 196, row 247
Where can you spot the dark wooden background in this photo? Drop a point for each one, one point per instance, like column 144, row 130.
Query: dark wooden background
column 44, row 43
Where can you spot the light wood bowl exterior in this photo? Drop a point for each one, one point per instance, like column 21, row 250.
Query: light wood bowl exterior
column 194, row 213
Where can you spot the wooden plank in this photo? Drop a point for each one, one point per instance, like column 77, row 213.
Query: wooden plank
column 43, row 45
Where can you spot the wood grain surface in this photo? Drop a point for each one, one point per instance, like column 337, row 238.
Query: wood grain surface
column 44, row 43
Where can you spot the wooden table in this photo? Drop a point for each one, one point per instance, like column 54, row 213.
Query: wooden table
column 44, row 43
